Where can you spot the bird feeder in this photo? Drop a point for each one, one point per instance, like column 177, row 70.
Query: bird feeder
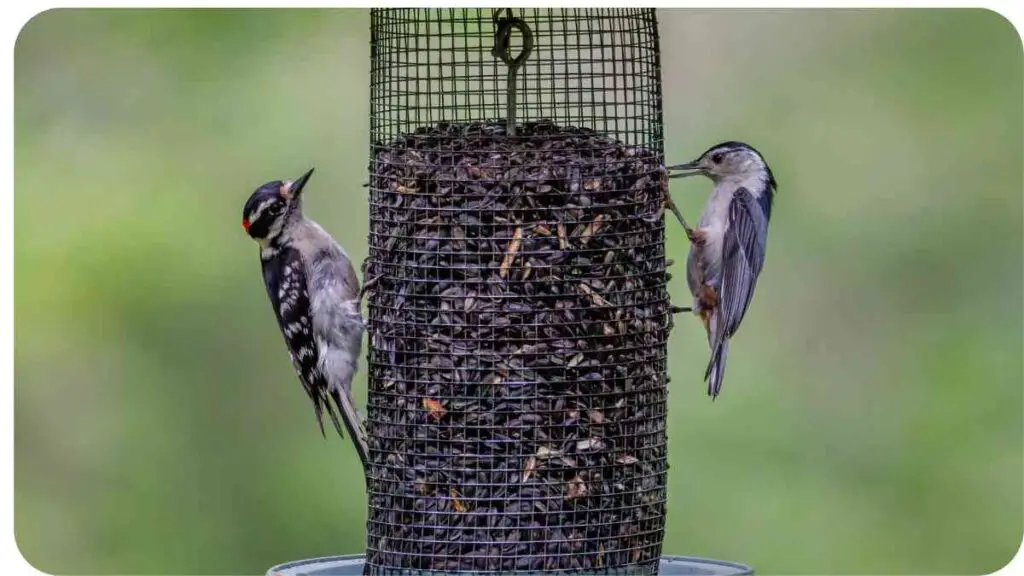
column 518, row 313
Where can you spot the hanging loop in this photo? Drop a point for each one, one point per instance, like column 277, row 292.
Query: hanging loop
column 503, row 50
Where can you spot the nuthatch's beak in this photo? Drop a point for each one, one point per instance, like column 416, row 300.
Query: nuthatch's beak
column 689, row 169
column 293, row 190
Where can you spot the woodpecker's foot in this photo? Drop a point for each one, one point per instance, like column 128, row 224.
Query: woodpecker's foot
column 368, row 286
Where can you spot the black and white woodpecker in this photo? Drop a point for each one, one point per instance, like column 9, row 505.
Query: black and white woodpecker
column 315, row 295
column 727, row 248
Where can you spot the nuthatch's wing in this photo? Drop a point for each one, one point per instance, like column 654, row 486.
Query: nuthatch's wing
column 743, row 252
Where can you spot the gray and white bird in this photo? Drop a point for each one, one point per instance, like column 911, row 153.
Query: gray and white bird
column 314, row 291
column 727, row 250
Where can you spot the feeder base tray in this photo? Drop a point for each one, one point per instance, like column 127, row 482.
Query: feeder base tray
column 353, row 565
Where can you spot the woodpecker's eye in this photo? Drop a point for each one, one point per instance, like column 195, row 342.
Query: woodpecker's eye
column 717, row 157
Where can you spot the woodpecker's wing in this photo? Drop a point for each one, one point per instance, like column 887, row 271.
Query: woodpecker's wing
column 337, row 327
column 335, row 291
column 334, row 284
column 285, row 279
column 743, row 252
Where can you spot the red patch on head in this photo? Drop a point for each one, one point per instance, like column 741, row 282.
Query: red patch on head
column 245, row 224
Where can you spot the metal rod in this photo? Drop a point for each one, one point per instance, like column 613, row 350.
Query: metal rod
column 502, row 50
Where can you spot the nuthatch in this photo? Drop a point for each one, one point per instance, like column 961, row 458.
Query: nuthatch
column 727, row 248
column 315, row 294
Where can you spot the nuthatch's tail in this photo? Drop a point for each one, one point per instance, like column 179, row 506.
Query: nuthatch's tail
column 715, row 373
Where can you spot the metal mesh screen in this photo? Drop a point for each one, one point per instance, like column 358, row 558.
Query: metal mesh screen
column 518, row 314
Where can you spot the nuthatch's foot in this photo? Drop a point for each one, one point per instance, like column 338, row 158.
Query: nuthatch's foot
column 654, row 217
column 707, row 297
column 666, row 199
column 707, row 302
column 697, row 236
column 705, row 318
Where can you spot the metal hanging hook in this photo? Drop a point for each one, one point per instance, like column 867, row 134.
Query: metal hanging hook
column 503, row 50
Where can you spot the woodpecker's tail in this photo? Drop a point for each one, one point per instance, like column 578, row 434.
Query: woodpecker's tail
column 715, row 373
column 352, row 421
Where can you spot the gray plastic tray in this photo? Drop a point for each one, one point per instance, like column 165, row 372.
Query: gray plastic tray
column 353, row 565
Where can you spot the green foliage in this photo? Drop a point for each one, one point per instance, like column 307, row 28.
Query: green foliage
column 871, row 421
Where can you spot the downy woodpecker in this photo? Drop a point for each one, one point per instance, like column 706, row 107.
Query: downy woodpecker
column 314, row 292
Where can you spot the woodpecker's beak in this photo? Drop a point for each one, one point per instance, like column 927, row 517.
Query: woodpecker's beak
column 689, row 169
column 295, row 188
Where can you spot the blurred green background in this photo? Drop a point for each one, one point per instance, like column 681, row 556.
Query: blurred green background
column 872, row 418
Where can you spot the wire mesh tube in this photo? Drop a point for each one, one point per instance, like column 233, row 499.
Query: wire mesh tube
column 518, row 314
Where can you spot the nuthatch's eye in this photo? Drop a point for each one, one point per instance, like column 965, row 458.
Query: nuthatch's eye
column 717, row 157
